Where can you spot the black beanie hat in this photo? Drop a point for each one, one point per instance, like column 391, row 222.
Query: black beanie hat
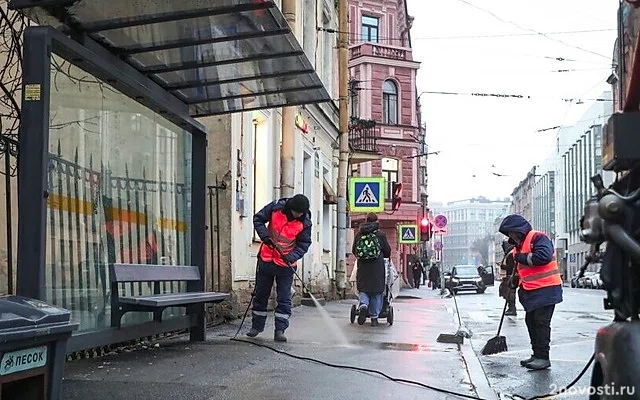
column 298, row 203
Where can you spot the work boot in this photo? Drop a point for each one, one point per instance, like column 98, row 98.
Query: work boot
column 538, row 364
column 279, row 336
column 253, row 332
column 511, row 312
column 374, row 322
column 527, row 361
column 363, row 313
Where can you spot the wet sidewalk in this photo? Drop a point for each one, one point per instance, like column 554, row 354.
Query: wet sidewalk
column 223, row 369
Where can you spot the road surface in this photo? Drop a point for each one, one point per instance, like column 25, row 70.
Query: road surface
column 574, row 327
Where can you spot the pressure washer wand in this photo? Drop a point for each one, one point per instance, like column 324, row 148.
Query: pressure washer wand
column 279, row 250
column 253, row 292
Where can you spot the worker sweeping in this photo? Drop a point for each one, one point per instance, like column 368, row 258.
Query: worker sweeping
column 540, row 284
column 285, row 240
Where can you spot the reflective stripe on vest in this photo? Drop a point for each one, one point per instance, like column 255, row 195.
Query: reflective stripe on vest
column 284, row 233
column 534, row 277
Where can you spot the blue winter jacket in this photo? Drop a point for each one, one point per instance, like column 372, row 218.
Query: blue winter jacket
column 303, row 240
column 542, row 252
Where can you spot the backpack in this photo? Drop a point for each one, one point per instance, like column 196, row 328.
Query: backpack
column 368, row 247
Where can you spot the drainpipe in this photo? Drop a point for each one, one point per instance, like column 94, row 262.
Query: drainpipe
column 287, row 154
column 343, row 165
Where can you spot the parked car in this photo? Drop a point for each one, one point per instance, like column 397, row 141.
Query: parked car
column 574, row 280
column 595, row 282
column 585, row 281
column 487, row 275
column 464, row 277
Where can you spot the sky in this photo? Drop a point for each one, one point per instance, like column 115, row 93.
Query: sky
column 478, row 135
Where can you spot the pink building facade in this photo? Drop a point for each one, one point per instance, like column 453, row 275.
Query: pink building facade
column 383, row 89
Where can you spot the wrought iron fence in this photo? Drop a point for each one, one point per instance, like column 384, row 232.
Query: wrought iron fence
column 8, row 171
column 96, row 218
column 214, row 230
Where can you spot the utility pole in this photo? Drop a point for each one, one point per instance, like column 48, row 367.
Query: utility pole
column 343, row 65
column 287, row 150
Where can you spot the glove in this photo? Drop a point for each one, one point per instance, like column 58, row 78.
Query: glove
column 268, row 241
column 515, row 281
column 288, row 259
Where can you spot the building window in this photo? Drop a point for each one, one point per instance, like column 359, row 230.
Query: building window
column 389, row 103
column 355, row 105
column 328, row 45
column 370, row 27
column 390, row 168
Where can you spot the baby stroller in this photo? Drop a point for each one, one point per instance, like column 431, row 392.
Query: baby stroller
column 387, row 298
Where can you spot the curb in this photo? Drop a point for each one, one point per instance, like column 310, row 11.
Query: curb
column 476, row 373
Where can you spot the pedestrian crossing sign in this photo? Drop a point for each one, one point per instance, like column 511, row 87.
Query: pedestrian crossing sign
column 366, row 195
column 408, row 234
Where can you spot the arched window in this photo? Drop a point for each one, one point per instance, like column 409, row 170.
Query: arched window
column 389, row 103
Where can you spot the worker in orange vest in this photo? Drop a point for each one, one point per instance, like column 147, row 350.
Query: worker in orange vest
column 284, row 227
column 539, row 282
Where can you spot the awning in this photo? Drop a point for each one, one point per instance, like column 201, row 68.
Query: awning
column 329, row 196
column 218, row 56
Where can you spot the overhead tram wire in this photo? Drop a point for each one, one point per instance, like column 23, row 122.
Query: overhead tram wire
column 545, row 35
column 483, row 36
column 511, row 96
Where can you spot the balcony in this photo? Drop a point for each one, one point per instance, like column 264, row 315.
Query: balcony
column 363, row 137
column 381, row 51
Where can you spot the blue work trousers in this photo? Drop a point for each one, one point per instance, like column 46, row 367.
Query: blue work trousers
column 268, row 272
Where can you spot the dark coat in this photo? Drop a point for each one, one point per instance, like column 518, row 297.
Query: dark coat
column 371, row 274
column 303, row 240
column 434, row 273
column 509, row 263
column 542, row 252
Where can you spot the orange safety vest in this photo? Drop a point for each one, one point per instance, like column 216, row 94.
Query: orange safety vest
column 284, row 233
column 534, row 277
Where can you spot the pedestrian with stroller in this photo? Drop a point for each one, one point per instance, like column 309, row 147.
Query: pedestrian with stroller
column 371, row 247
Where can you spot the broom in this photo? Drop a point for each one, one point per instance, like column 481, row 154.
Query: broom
column 461, row 333
column 498, row 344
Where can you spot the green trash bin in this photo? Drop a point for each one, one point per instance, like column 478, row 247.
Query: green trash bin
column 33, row 344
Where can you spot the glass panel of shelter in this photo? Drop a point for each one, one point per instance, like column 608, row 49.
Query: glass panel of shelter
column 93, row 11
column 256, row 86
column 254, row 102
column 223, row 52
column 119, row 178
column 246, row 70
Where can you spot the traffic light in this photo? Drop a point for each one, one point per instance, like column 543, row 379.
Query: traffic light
column 396, row 200
column 425, row 229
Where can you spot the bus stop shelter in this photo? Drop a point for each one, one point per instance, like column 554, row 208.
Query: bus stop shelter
column 112, row 160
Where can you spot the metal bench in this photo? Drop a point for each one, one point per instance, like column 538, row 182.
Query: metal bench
column 157, row 303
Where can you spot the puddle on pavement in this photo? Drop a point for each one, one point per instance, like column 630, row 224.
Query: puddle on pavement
column 411, row 347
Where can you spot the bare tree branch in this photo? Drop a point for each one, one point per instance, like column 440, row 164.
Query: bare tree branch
column 12, row 26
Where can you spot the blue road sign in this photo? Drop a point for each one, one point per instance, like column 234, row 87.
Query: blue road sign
column 408, row 234
column 366, row 194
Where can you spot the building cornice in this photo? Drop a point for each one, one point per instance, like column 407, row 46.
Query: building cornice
column 384, row 61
